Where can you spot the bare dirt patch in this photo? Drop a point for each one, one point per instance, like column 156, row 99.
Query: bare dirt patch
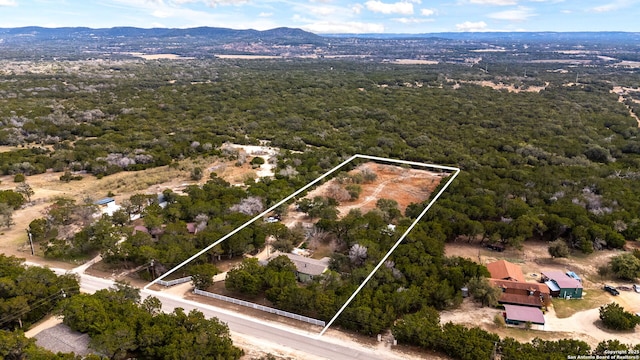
column 415, row 62
column 47, row 187
column 404, row 185
column 623, row 93
column 508, row 87
column 160, row 56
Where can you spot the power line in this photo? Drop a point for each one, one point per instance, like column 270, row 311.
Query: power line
column 30, row 307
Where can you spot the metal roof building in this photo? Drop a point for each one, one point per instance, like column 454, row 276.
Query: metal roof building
column 516, row 315
column 505, row 270
column 562, row 285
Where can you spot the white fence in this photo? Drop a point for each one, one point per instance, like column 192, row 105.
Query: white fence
column 174, row 282
column 261, row 308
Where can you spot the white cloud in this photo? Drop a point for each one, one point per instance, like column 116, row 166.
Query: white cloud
column 472, row 26
column 171, row 14
column 214, row 3
column 210, row 3
column 520, row 14
column 604, row 8
column 266, row 14
column 494, row 2
column 412, row 20
column 402, row 7
column 427, row 12
column 614, row 5
column 163, row 13
column 8, row 3
column 328, row 27
column 357, row 8
column 322, row 10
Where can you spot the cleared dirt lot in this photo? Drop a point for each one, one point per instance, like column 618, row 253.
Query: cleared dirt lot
column 397, row 183
column 404, row 185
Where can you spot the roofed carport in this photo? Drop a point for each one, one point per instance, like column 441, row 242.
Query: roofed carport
column 516, row 315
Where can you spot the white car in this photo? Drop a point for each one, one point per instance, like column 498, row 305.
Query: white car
column 636, row 288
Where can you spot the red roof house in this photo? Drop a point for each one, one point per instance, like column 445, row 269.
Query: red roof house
column 505, row 270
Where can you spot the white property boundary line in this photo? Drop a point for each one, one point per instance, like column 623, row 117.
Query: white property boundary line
column 455, row 171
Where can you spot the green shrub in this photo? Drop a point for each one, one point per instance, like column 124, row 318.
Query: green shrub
column 614, row 317
column 257, row 161
column 558, row 249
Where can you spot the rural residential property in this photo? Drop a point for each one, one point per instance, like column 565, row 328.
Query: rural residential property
column 379, row 180
column 515, row 290
column 562, row 285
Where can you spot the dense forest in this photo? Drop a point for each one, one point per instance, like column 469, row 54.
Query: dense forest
column 556, row 163
column 560, row 163
column 119, row 323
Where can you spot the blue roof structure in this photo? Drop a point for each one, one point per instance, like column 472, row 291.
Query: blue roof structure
column 552, row 285
column 104, row 201
column 573, row 275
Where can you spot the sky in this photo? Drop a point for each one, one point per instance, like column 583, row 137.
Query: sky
column 331, row 16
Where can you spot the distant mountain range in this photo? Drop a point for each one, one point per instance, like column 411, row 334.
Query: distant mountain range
column 202, row 42
column 284, row 34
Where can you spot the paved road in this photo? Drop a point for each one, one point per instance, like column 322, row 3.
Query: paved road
column 278, row 334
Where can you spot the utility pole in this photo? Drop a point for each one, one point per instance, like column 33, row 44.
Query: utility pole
column 494, row 353
column 153, row 268
column 30, row 241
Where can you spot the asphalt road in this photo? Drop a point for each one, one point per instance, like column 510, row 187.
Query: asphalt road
column 274, row 333
column 277, row 334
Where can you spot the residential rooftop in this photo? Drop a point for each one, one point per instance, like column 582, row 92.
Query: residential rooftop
column 563, row 280
column 524, row 314
column 104, row 201
column 505, row 270
column 309, row 266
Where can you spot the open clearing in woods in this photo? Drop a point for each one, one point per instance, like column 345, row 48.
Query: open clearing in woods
column 404, row 185
column 47, row 187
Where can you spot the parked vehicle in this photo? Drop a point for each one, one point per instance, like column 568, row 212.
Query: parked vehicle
column 636, row 288
column 495, row 247
column 611, row 290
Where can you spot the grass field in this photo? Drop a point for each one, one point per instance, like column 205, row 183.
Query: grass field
column 592, row 298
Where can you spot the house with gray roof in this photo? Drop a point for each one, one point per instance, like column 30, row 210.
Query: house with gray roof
column 308, row 268
column 61, row 338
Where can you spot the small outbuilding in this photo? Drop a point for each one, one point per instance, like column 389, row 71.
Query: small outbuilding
column 562, row 285
column 519, row 315
column 107, row 206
